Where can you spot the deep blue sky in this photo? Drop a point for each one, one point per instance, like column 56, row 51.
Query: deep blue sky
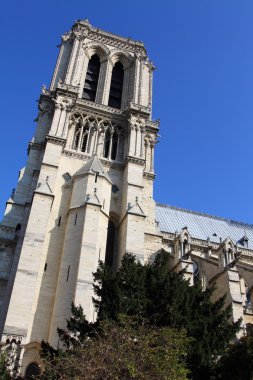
column 203, row 90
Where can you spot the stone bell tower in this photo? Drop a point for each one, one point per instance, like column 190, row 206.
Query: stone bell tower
column 86, row 192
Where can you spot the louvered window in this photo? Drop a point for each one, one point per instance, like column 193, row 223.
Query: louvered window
column 91, row 80
column 115, row 95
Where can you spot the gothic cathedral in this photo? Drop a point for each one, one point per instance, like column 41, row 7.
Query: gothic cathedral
column 86, row 194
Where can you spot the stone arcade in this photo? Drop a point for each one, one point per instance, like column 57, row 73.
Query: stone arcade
column 86, row 194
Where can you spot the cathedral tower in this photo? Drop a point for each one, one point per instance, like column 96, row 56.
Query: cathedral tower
column 86, row 193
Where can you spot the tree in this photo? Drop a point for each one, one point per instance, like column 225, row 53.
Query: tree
column 166, row 299
column 127, row 349
column 4, row 372
column 172, row 310
column 237, row 362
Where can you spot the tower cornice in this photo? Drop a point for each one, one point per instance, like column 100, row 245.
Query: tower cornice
column 83, row 29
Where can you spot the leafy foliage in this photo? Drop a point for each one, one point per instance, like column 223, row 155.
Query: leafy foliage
column 166, row 299
column 128, row 349
column 237, row 362
column 179, row 319
column 4, row 372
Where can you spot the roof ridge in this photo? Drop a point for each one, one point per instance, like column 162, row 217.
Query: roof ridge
column 203, row 214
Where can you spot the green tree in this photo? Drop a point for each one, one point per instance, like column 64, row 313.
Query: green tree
column 166, row 299
column 237, row 362
column 128, row 349
column 4, row 372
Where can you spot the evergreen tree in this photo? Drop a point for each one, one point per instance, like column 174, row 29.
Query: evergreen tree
column 237, row 362
column 122, row 292
column 78, row 328
column 166, row 299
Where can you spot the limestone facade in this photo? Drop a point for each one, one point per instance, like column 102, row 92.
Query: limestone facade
column 86, row 194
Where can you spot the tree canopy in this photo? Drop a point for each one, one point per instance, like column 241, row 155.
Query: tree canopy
column 151, row 325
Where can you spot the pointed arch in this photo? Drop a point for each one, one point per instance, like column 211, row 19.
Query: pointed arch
column 107, row 143
column 116, row 88
column 77, row 136
column 115, row 138
column 91, row 79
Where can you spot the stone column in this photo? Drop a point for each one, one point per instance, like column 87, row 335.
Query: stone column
column 136, row 80
column 95, row 142
column 126, row 87
column 110, row 146
column 80, row 139
column 152, row 157
column 132, row 140
column 66, row 123
column 136, row 141
column 56, row 119
column 72, row 61
column 87, row 149
column 142, row 143
column 101, row 81
column 107, row 82
column 84, row 68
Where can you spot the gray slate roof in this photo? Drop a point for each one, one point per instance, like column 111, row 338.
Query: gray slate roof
column 93, row 165
column 201, row 226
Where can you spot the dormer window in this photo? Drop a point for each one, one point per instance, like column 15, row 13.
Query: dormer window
column 115, row 95
column 91, row 80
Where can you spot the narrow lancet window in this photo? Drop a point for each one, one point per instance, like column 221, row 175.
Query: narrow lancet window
column 114, row 145
column 85, row 139
column 91, row 80
column 107, row 144
column 116, row 88
column 77, row 136
column 110, row 244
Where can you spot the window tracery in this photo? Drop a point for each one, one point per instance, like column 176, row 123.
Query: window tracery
column 94, row 135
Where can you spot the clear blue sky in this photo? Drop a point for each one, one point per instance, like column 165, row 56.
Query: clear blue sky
column 203, row 90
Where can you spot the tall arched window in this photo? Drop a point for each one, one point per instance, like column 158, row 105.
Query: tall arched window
column 91, row 80
column 85, row 139
column 81, row 137
column 107, row 143
column 77, row 136
column 115, row 95
column 114, row 145
column 110, row 243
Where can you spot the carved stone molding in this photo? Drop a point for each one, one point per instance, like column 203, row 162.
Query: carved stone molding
column 98, row 121
column 55, row 140
column 83, row 156
column 66, row 36
column 137, row 108
column 67, row 88
column 149, row 175
column 95, row 107
column 153, row 124
column 84, row 28
column 102, row 50
column 135, row 160
column 14, row 332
